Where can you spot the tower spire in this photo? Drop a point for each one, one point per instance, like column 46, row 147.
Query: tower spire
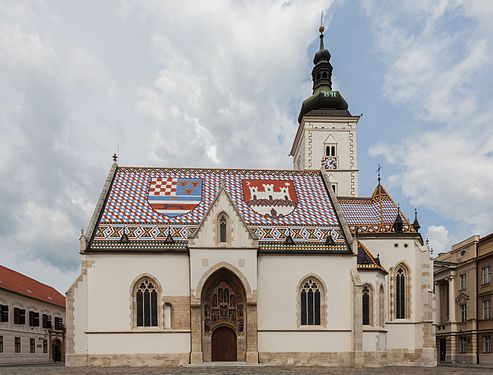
column 324, row 99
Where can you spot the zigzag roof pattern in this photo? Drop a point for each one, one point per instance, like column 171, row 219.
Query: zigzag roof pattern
column 305, row 210
column 375, row 214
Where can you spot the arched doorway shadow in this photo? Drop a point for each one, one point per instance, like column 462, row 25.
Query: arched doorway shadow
column 223, row 311
column 56, row 350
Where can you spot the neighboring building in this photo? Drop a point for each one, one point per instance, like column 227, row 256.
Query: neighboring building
column 31, row 320
column 455, row 302
column 485, row 299
column 463, row 294
column 282, row 267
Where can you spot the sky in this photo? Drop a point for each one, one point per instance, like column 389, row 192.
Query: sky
column 220, row 84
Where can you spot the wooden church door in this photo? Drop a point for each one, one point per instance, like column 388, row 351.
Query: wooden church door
column 224, row 344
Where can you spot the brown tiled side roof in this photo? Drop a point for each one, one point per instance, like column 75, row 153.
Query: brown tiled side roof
column 16, row 282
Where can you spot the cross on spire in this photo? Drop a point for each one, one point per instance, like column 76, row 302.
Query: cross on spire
column 378, row 173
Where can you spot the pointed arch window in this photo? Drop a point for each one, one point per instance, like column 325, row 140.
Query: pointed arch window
column 366, row 300
column 310, row 295
column 146, row 303
column 400, row 293
column 223, row 227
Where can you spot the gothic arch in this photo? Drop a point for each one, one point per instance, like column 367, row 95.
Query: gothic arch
column 221, row 217
column 223, row 304
column 133, row 301
column 404, row 292
column 368, row 296
column 250, row 296
column 323, row 300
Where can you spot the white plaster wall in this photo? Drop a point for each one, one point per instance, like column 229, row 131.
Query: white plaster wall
column 277, row 299
column 371, row 341
column 80, row 315
column 139, row 343
column 390, row 257
column 401, row 335
column 110, row 279
column 308, row 341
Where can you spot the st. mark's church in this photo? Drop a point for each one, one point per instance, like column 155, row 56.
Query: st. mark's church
column 278, row 267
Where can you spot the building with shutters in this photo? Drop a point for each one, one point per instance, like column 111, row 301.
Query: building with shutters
column 31, row 320
column 281, row 267
column 463, row 294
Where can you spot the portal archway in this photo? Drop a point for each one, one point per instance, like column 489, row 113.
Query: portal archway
column 224, row 317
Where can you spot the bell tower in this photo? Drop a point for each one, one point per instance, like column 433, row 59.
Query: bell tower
column 326, row 136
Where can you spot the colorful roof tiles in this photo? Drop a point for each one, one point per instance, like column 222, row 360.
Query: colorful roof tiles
column 147, row 203
column 375, row 214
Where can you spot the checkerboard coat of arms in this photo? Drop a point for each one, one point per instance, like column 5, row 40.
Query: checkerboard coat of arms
column 270, row 198
column 172, row 196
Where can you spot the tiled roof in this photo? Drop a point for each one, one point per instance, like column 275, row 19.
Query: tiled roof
column 148, row 203
column 375, row 214
column 366, row 260
column 16, row 282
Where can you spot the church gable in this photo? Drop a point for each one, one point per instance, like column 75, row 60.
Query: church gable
column 223, row 226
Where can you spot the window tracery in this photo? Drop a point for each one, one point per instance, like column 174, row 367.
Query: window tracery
column 146, row 303
column 400, row 293
column 310, row 302
column 366, row 301
column 223, row 222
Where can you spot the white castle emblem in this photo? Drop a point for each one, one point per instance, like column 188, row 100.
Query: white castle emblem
column 270, row 198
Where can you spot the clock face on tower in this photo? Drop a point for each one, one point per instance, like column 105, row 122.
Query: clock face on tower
column 329, row 162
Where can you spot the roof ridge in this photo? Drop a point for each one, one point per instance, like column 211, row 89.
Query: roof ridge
column 304, row 171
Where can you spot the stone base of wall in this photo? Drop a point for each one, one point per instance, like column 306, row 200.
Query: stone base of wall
column 412, row 357
column 375, row 359
column 75, row 360
column 307, row 359
column 102, row 360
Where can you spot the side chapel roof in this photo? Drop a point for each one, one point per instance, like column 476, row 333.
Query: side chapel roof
column 143, row 206
column 366, row 260
column 375, row 214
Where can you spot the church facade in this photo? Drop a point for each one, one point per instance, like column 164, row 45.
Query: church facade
column 280, row 267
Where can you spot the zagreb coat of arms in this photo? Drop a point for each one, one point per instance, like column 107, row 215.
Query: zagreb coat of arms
column 270, row 198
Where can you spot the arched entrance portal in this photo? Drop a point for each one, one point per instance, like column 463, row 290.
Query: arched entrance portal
column 223, row 344
column 223, row 310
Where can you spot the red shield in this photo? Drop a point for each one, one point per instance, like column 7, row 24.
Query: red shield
column 270, row 198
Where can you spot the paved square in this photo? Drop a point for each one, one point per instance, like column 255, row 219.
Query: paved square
column 59, row 370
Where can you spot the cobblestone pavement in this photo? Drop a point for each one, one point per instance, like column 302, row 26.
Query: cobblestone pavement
column 59, row 370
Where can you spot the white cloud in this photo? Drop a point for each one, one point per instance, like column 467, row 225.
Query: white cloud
column 440, row 73
column 439, row 238
column 208, row 85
